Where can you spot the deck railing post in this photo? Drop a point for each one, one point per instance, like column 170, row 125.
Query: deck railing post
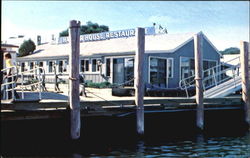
column 12, row 85
column 244, row 55
column 215, row 81
column 74, row 100
column 22, row 85
column 39, row 81
column 139, row 81
column 198, row 80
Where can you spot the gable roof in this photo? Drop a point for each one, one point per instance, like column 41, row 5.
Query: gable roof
column 159, row 43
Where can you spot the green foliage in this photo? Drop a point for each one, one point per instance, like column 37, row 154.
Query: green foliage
column 64, row 33
column 99, row 85
column 231, row 50
column 87, row 29
column 26, row 48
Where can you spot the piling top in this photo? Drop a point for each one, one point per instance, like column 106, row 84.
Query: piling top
column 74, row 23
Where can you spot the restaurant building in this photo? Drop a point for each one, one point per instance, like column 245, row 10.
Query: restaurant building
column 109, row 56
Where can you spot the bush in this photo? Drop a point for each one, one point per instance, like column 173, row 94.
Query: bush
column 99, row 85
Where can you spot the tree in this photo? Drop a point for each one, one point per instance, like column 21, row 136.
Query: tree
column 26, row 48
column 231, row 50
column 87, row 29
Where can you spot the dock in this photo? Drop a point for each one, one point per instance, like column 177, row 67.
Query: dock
column 100, row 102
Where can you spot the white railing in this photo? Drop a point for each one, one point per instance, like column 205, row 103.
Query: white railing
column 35, row 80
column 214, row 76
column 9, row 83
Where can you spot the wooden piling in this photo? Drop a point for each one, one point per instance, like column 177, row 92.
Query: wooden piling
column 198, row 80
column 139, row 81
column 74, row 100
column 1, row 67
column 244, row 53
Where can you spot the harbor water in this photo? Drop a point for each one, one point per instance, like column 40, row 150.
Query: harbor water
column 166, row 135
column 230, row 146
column 238, row 146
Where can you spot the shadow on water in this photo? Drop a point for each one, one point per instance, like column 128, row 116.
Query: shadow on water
column 166, row 135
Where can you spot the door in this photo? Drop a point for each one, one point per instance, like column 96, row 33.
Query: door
column 158, row 72
column 118, row 70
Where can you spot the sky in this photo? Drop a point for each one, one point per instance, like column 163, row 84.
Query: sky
column 225, row 23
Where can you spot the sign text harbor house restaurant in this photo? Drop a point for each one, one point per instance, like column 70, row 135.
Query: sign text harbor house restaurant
column 109, row 57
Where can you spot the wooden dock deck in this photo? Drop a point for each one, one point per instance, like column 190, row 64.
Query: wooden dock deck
column 100, row 102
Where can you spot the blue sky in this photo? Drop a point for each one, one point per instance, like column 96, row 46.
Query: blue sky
column 225, row 23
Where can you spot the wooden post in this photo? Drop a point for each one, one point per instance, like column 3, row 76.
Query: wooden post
column 198, row 80
column 74, row 100
column 1, row 67
column 139, row 81
column 244, row 52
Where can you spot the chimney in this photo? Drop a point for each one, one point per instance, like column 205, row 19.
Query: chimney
column 39, row 40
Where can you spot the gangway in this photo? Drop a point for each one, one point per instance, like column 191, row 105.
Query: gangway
column 218, row 81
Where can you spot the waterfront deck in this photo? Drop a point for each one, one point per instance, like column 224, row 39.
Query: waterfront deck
column 100, row 102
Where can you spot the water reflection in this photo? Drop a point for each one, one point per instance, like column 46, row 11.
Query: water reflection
column 199, row 146
column 210, row 147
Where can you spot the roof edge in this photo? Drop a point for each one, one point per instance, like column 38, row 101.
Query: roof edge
column 205, row 37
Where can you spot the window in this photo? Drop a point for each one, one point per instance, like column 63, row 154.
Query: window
column 65, row 65
column 22, row 67
column 108, row 67
column 129, row 71
column 41, row 64
column 84, row 65
column 60, row 67
column 170, row 68
column 50, row 66
column 188, row 69
column 31, row 65
column 94, row 65
column 87, row 65
column 208, row 65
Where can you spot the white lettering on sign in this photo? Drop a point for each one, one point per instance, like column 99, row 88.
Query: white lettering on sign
column 104, row 36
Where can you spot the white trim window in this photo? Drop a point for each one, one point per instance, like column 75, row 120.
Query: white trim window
column 187, row 66
column 108, row 67
column 31, row 65
column 84, row 65
column 50, row 66
column 95, row 62
column 22, row 66
column 40, row 64
column 62, row 66
column 187, row 69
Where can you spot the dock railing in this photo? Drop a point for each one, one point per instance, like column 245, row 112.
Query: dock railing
column 34, row 81
column 9, row 83
column 214, row 76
